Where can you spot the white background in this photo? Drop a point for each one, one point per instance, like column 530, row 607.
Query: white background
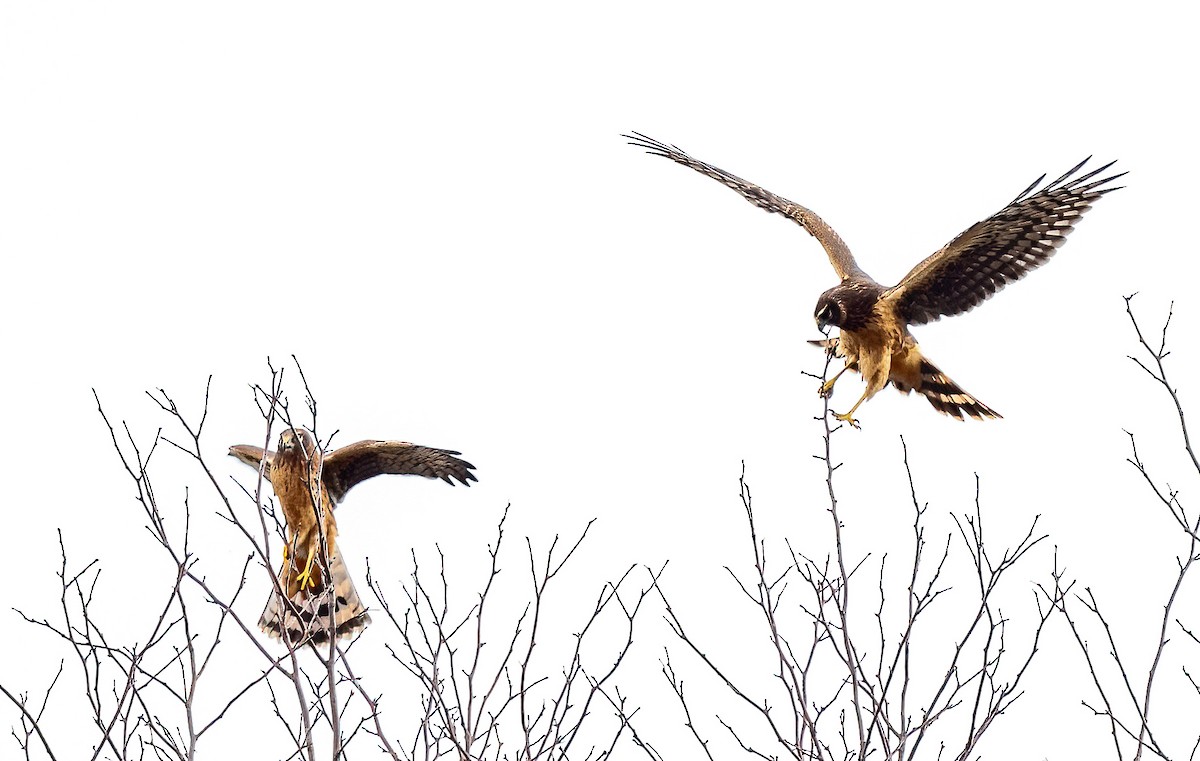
column 431, row 206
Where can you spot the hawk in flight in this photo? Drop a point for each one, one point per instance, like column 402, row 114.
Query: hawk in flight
column 873, row 319
column 309, row 483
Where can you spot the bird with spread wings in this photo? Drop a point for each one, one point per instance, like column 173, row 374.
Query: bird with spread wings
column 873, row 319
column 309, row 483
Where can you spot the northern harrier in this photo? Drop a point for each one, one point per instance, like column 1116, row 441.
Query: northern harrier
column 873, row 319
column 308, row 484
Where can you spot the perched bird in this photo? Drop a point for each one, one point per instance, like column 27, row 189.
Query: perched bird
column 873, row 319
column 308, row 484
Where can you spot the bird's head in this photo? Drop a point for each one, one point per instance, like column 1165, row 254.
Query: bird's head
column 830, row 311
column 297, row 440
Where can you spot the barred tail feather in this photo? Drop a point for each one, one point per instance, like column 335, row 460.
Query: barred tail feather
column 948, row 398
column 306, row 618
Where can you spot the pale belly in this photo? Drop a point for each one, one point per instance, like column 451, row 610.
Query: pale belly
column 882, row 354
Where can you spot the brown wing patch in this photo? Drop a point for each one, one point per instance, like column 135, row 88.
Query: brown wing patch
column 837, row 250
column 353, row 464
column 999, row 250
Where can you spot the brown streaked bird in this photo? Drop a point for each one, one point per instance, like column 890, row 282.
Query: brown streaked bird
column 873, row 319
column 309, row 483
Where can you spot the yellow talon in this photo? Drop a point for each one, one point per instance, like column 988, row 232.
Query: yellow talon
column 846, row 418
column 826, row 390
column 305, row 578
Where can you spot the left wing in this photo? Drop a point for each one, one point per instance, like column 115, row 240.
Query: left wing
column 835, row 248
column 343, row 468
column 999, row 250
column 253, row 456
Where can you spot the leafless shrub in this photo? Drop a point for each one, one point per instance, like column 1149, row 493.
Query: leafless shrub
column 869, row 657
column 889, row 681
column 199, row 668
column 470, row 692
column 1124, row 698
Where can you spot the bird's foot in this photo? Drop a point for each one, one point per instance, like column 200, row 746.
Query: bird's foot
column 826, row 389
column 305, row 578
column 846, row 418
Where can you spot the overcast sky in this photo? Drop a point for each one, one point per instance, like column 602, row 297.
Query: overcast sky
column 431, row 207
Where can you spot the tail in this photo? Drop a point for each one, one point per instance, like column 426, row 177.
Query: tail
column 947, row 397
column 306, row 617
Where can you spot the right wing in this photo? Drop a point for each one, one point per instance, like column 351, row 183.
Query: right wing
column 343, row 468
column 1001, row 249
